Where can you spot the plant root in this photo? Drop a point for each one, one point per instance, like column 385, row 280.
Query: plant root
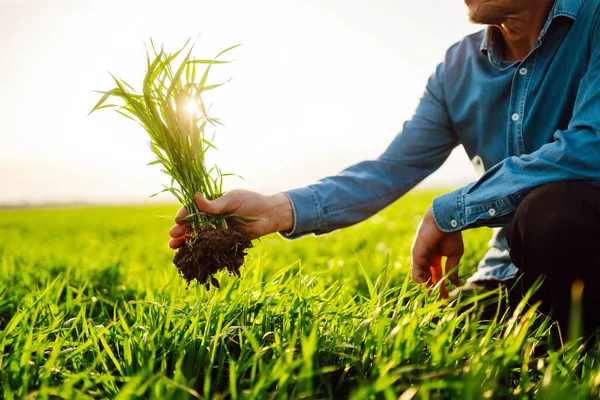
column 208, row 251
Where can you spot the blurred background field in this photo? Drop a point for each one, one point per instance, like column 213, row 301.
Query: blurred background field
column 127, row 245
column 91, row 307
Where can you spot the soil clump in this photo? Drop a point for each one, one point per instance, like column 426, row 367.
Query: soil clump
column 209, row 251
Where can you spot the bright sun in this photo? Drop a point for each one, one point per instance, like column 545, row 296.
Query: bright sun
column 191, row 106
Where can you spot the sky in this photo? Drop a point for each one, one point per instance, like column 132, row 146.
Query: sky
column 315, row 87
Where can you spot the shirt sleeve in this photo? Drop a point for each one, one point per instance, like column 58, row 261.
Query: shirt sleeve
column 362, row 190
column 574, row 154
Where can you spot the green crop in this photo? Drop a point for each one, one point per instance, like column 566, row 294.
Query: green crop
column 90, row 309
column 172, row 111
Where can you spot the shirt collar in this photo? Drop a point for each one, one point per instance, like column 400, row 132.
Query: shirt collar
column 561, row 8
column 566, row 8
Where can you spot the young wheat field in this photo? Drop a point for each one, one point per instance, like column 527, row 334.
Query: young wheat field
column 91, row 306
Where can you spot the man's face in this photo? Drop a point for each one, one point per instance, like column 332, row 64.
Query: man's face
column 493, row 12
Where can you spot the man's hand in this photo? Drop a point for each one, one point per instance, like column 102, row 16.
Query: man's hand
column 430, row 242
column 274, row 213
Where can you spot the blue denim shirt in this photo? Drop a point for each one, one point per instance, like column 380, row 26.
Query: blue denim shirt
column 527, row 123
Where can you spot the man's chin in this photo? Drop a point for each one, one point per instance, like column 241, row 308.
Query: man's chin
column 481, row 18
column 480, row 14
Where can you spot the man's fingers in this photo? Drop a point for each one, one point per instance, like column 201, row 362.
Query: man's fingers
column 203, row 204
column 212, row 207
column 176, row 243
column 452, row 267
column 420, row 269
column 178, row 231
column 182, row 213
column 420, row 276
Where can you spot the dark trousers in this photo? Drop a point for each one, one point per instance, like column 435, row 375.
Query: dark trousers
column 556, row 234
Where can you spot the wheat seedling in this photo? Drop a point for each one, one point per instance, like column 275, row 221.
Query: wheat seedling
column 171, row 109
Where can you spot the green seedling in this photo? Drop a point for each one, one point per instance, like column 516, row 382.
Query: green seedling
column 171, row 108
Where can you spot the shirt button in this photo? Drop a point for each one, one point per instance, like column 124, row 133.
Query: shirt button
column 454, row 223
column 523, row 71
column 492, row 212
column 515, row 117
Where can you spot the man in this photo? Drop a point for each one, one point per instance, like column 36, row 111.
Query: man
column 523, row 97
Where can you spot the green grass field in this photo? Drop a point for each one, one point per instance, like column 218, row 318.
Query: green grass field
column 91, row 307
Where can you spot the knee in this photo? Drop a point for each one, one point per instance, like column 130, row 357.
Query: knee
column 549, row 211
column 547, row 226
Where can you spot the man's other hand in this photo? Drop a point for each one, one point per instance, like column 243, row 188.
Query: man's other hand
column 274, row 213
column 430, row 242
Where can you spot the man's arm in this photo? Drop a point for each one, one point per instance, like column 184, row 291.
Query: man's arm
column 357, row 192
column 573, row 155
column 365, row 188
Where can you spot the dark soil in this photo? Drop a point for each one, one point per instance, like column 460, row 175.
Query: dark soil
column 209, row 251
